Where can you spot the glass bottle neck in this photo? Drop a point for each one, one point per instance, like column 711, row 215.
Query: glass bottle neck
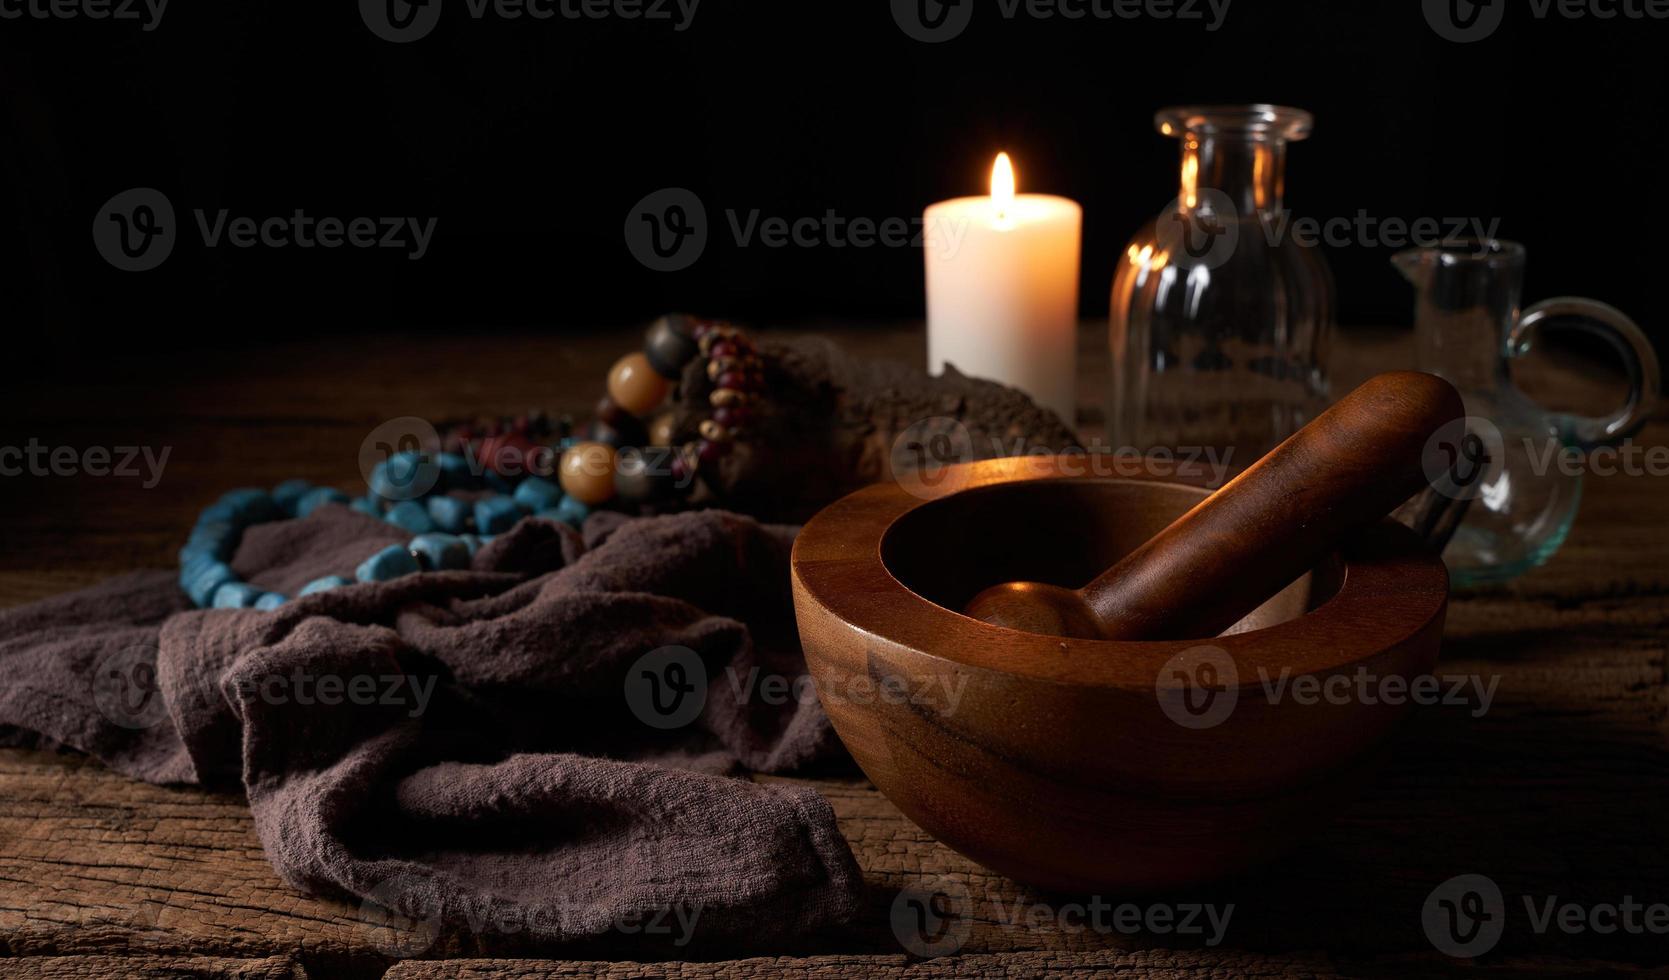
column 1251, row 172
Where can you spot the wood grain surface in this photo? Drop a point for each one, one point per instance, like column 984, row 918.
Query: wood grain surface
column 1559, row 789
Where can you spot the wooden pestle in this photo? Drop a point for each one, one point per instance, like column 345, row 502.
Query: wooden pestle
column 1349, row 467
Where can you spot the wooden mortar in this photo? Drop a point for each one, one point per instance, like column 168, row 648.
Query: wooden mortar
column 1061, row 762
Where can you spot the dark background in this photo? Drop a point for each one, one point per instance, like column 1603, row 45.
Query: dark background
column 531, row 140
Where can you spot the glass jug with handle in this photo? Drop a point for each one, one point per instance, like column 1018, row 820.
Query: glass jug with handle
column 1467, row 328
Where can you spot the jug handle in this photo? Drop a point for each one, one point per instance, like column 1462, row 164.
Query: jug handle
column 1645, row 377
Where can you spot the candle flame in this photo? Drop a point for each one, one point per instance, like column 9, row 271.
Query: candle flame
column 1002, row 186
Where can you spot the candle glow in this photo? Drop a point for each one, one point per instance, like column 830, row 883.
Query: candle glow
column 1002, row 188
column 1003, row 305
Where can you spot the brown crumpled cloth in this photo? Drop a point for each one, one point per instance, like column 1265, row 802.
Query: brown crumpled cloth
column 522, row 786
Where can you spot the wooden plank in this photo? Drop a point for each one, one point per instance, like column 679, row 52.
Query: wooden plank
column 150, row 968
column 1555, row 785
column 92, row 862
column 1158, row 964
column 1148, row 964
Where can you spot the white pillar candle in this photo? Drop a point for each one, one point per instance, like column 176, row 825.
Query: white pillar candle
column 1002, row 290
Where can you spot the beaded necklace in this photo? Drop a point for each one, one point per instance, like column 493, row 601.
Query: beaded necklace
column 448, row 530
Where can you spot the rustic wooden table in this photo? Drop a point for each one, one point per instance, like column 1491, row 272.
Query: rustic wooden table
column 1558, row 790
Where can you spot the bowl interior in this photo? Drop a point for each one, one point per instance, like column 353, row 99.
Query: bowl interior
column 1063, row 532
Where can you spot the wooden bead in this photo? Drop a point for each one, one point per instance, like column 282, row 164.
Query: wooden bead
column 662, row 429
column 725, row 365
column 635, row 385
column 714, row 432
column 625, row 430
column 641, row 477
column 715, row 334
column 669, row 348
column 587, row 472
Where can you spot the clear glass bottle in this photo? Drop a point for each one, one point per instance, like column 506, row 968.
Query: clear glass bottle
column 1220, row 320
column 1523, row 492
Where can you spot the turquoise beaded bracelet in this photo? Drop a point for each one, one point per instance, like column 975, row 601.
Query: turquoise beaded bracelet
column 448, row 530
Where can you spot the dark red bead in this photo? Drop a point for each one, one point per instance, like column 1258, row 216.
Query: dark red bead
column 722, row 348
column 711, row 452
column 506, row 454
column 680, row 470
column 608, row 411
column 731, row 416
column 625, row 431
column 735, row 379
column 702, row 329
